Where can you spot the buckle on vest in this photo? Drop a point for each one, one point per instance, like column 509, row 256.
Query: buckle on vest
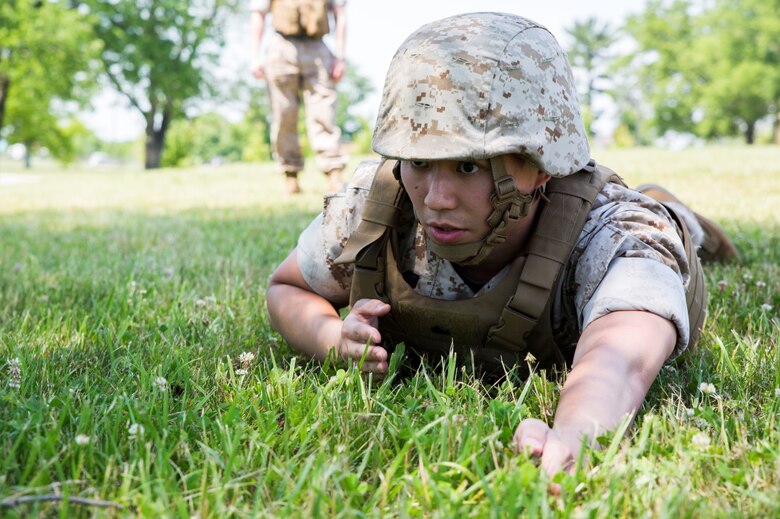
column 512, row 330
column 505, row 187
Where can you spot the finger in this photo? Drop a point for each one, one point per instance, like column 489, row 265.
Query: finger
column 531, row 436
column 357, row 350
column 374, row 367
column 557, row 457
column 361, row 333
column 370, row 307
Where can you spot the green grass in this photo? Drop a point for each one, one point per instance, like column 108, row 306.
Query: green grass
column 113, row 280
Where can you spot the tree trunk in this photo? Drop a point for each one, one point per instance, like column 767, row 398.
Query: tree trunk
column 750, row 132
column 154, row 144
column 5, row 83
column 155, row 137
column 777, row 127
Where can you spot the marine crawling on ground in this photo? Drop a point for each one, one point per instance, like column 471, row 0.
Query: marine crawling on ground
column 488, row 228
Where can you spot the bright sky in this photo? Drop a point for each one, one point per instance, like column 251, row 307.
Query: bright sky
column 375, row 29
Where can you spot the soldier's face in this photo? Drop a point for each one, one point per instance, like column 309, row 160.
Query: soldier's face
column 451, row 199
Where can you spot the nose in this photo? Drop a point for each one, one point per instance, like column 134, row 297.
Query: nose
column 442, row 191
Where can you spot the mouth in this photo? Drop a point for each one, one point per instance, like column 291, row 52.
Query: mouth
column 443, row 233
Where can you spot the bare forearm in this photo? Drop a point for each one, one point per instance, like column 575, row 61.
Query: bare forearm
column 257, row 30
column 620, row 359
column 309, row 323
column 596, row 398
column 340, row 31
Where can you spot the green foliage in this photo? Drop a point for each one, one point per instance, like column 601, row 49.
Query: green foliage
column 256, row 125
column 362, row 139
column 46, row 72
column 352, row 89
column 712, row 69
column 203, row 139
column 129, row 298
column 590, row 54
column 159, row 54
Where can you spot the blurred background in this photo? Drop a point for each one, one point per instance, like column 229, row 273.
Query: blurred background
column 166, row 83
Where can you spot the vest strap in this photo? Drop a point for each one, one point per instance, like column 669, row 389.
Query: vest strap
column 548, row 251
column 382, row 211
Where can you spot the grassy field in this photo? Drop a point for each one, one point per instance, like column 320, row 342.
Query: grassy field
column 139, row 376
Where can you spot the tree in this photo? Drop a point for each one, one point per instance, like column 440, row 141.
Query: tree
column 352, row 90
column 712, row 68
column 46, row 52
column 159, row 54
column 590, row 54
column 202, row 139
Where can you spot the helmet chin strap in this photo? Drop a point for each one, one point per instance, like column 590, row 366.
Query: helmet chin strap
column 509, row 206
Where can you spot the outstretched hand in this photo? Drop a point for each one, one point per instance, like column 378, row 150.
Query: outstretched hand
column 536, row 438
column 360, row 328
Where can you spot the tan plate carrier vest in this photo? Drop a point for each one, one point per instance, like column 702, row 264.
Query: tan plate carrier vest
column 300, row 17
column 501, row 327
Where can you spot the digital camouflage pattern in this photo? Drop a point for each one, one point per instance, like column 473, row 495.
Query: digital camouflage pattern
column 301, row 68
column 629, row 257
column 479, row 85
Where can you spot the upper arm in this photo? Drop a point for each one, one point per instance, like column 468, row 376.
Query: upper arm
column 289, row 273
column 634, row 342
column 630, row 258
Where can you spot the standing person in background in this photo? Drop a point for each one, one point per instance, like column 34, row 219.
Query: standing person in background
column 298, row 62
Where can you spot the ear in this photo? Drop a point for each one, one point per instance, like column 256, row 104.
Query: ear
column 541, row 179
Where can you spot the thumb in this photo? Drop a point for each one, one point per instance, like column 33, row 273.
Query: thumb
column 531, row 436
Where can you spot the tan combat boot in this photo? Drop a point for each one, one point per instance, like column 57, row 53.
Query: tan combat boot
column 716, row 246
column 292, row 185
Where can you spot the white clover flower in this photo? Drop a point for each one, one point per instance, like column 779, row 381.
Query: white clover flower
column 242, row 371
column 206, row 301
column 777, row 392
column 82, row 439
column 722, row 284
column 689, row 411
column 161, row 384
column 747, row 276
column 706, row 388
column 766, row 307
column 15, row 373
column 701, row 440
column 246, row 358
column 135, row 431
column 760, row 284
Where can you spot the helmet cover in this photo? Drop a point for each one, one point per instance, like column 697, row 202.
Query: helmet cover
column 480, row 85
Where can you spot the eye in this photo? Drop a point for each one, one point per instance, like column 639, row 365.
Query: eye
column 418, row 163
column 469, row 168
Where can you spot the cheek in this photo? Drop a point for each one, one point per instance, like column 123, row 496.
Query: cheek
column 412, row 184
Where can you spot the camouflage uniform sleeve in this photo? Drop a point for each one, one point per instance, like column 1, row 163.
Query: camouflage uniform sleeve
column 324, row 239
column 631, row 257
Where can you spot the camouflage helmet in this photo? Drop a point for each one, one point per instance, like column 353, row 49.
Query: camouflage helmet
column 480, row 85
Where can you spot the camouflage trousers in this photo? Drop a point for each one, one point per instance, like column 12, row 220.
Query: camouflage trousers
column 299, row 69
